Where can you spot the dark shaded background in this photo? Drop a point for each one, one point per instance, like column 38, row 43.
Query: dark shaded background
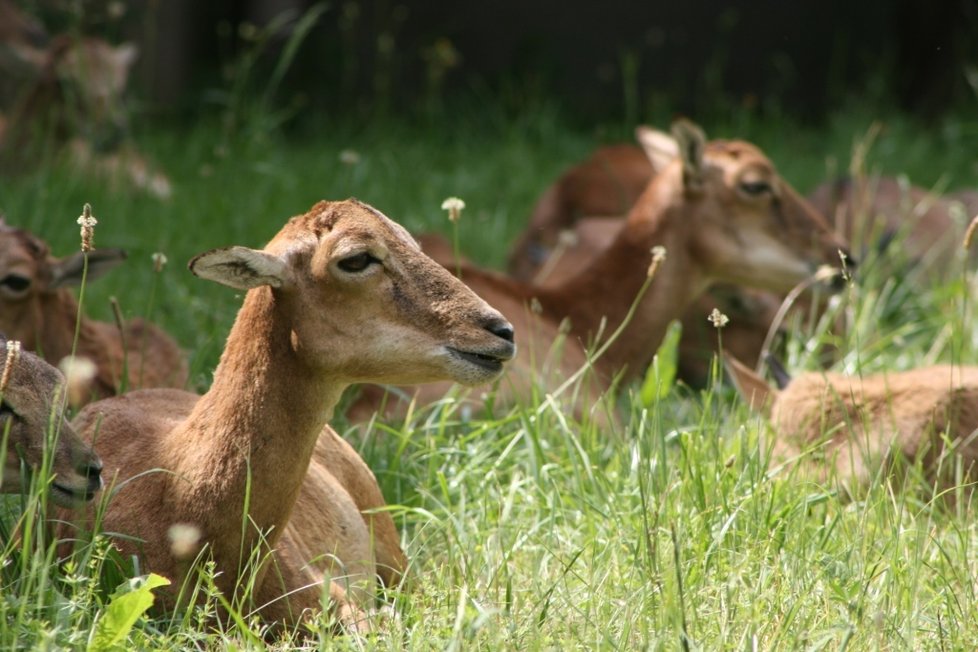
column 611, row 59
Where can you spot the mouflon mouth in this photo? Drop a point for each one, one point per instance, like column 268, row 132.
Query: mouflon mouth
column 68, row 496
column 490, row 361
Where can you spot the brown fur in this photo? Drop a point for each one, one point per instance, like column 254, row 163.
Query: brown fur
column 31, row 404
column 751, row 311
column 43, row 316
column 608, row 182
column 307, row 329
column 710, row 229
column 850, row 426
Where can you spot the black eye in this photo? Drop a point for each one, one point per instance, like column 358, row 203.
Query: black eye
column 755, row 188
column 16, row 282
column 357, row 263
column 6, row 410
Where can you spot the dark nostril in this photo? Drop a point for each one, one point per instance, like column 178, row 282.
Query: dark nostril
column 503, row 330
column 93, row 471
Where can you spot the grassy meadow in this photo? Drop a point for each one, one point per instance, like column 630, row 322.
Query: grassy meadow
column 528, row 530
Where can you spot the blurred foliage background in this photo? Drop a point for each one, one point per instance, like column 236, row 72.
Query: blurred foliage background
column 614, row 60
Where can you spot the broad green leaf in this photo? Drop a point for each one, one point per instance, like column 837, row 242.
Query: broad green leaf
column 661, row 374
column 130, row 601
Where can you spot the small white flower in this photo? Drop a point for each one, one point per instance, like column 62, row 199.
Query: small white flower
column 658, row 257
column 718, row 319
column 454, row 206
column 159, row 261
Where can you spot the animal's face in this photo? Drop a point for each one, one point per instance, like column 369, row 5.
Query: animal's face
column 93, row 76
column 28, row 272
column 24, row 274
column 33, row 426
column 365, row 301
column 747, row 224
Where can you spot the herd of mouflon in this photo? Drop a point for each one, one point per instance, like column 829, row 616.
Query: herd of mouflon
column 621, row 245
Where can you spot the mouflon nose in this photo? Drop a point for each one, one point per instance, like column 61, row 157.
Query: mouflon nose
column 502, row 329
column 92, row 469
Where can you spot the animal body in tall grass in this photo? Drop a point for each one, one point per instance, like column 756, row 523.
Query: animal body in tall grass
column 848, row 428
column 340, row 295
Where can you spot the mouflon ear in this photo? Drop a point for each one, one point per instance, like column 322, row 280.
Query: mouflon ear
column 661, row 148
column 755, row 390
column 781, row 375
column 68, row 271
column 692, row 142
column 241, row 268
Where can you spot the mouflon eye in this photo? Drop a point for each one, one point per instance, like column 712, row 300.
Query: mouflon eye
column 755, row 188
column 357, row 263
column 16, row 282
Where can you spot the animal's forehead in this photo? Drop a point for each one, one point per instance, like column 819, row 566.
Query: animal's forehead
column 30, row 375
column 17, row 240
column 350, row 218
column 737, row 153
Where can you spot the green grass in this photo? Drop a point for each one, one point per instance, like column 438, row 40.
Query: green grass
column 533, row 531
